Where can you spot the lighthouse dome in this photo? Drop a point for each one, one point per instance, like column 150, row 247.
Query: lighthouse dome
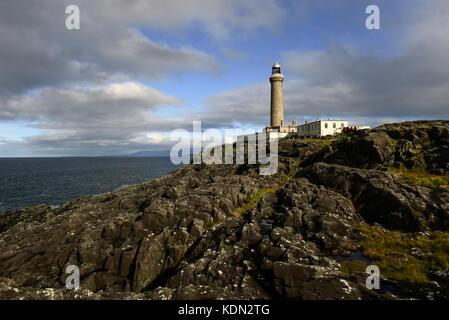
column 276, row 68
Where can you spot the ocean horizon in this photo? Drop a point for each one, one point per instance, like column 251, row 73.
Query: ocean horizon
column 28, row 181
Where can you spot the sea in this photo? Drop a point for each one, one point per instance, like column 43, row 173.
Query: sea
column 54, row 181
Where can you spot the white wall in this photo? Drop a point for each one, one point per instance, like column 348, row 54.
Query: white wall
column 318, row 128
column 331, row 130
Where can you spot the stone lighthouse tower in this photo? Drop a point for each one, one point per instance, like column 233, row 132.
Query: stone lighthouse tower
column 277, row 103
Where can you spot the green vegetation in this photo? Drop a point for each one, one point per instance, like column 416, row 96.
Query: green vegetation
column 322, row 142
column 287, row 177
column 209, row 225
column 353, row 266
column 245, row 207
column 402, row 256
column 253, row 200
column 420, row 177
column 395, row 143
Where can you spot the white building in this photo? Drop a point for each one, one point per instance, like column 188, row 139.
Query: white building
column 322, row 128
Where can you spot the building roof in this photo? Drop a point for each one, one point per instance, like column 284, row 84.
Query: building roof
column 331, row 120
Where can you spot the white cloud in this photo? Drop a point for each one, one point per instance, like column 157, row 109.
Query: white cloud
column 98, row 106
column 232, row 54
column 103, row 119
column 59, row 81
column 222, row 19
column 151, row 138
column 248, row 104
column 37, row 51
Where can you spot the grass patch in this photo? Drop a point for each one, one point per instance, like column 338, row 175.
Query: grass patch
column 209, row 225
column 395, row 143
column 322, row 142
column 287, row 177
column 420, row 177
column 253, row 200
column 353, row 266
column 392, row 253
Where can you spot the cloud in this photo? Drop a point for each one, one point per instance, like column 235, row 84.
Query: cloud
column 65, row 143
column 221, row 19
column 248, row 104
column 59, row 81
column 99, row 106
column 103, row 119
column 232, row 54
column 37, row 50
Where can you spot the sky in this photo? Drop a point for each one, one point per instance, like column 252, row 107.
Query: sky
column 138, row 69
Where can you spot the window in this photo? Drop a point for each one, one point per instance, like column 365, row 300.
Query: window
column 342, row 124
column 335, row 125
column 325, row 125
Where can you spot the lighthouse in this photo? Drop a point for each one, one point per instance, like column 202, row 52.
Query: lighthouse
column 277, row 103
column 277, row 126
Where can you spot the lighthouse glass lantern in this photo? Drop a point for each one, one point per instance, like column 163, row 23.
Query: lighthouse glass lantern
column 276, row 68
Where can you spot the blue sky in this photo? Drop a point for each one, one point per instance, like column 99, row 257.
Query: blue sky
column 138, row 69
column 326, row 26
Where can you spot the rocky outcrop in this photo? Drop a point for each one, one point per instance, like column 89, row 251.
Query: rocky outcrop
column 369, row 150
column 419, row 144
column 184, row 235
column 125, row 240
column 383, row 198
column 319, row 214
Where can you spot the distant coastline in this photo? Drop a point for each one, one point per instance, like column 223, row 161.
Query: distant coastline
column 162, row 153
